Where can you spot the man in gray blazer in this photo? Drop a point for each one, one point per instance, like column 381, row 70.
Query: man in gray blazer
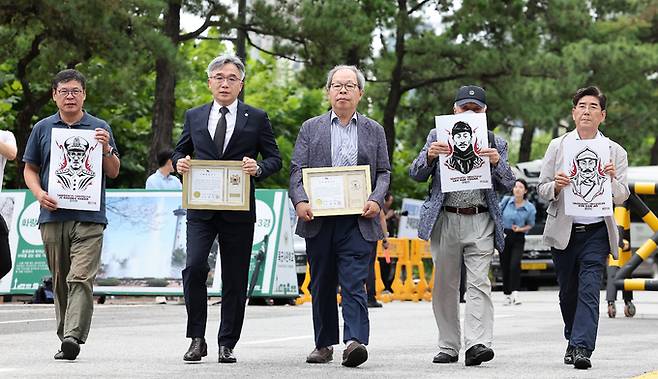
column 464, row 224
column 338, row 247
column 580, row 245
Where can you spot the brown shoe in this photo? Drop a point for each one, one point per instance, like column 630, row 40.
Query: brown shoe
column 321, row 355
column 354, row 354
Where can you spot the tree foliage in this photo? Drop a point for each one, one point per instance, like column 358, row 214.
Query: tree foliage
column 530, row 55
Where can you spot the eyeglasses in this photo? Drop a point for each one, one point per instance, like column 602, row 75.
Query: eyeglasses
column 348, row 86
column 65, row 92
column 231, row 80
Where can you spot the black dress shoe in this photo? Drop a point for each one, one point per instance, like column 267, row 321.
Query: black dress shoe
column 354, row 354
column 374, row 304
column 581, row 358
column 478, row 354
column 444, row 358
column 59, row 355
column 70, row 348
column 568, row 355
column 321, row 355
column 226, row 355
column 198, row 348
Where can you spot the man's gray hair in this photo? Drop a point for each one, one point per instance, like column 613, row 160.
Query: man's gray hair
column 361, row 80
column 225, row 59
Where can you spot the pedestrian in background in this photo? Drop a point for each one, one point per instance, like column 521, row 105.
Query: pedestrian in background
column 518, row 218
column 162, row 178
column 8, row 151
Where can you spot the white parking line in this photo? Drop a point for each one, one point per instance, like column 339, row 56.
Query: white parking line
column 277, row 340
column 32, row 320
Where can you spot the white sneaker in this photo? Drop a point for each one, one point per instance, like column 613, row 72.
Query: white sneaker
column 515, row 298
column 508, row 300
column 160, row 300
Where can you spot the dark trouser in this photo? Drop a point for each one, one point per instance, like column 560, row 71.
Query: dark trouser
column 579, row 270
column 235, row 240
column 510, row 260
column 339, row 255
column 5, row 253
column 387, row 270
column 611, row 288
column 371, row 282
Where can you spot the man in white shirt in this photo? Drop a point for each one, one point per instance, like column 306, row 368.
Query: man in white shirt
column 7, row 152
column 162, row 179
column 225, row 129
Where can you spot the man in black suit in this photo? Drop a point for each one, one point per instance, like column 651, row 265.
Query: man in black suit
column 226, row 129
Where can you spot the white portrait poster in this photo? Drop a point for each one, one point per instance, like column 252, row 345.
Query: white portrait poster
column 76, row 169
column 589, row 193
column 463, row 168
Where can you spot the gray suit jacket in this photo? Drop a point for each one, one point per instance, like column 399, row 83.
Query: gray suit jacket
column 502, row 177
column 557, row 231
column 313, row 149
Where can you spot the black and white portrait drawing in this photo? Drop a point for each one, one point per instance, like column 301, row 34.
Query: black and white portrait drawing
column 76, row 164
column 589, row 193
column 465, row 148
column 587, row 175
column 75, row 172
column 462, row 168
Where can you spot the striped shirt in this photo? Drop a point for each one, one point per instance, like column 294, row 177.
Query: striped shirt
column 344, row 142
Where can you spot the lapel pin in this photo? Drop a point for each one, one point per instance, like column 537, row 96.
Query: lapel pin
column 246, row 114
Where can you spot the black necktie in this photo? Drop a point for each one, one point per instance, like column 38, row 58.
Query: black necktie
column 220, row 131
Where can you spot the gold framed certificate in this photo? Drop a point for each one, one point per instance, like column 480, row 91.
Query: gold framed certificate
column 216, row 185
column 336, row 191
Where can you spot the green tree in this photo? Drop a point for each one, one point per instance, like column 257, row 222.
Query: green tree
column 43, row 37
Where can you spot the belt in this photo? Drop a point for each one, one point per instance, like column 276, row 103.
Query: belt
column 582, row 228
column 466, row 211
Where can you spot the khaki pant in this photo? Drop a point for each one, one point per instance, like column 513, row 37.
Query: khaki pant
column 473, row 237
column 73, row 251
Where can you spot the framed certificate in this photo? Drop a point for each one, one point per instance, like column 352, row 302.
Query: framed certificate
column 336, row 191
column 216, row 185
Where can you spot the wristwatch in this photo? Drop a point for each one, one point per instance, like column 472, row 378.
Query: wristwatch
column 259, row 171
column 109, row 152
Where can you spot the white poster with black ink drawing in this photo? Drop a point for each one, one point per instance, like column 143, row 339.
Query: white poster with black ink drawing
column 463, row 168
column 76, row 169
column 589, row 192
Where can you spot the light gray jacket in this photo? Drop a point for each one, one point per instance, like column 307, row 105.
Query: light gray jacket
column 557, row 230
column 313, row 149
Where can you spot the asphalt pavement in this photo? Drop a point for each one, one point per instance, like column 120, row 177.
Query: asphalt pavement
column 140, row 339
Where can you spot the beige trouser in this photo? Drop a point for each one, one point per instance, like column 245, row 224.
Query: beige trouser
column 473, row 237
column 73, row 251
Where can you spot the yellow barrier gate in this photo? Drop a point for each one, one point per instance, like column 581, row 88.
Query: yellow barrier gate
column 620, row 270
column 410, row 281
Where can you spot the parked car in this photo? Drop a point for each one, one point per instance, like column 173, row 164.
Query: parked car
column 537, row 267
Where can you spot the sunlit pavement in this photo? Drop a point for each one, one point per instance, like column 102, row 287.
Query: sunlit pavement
column 148, row 340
